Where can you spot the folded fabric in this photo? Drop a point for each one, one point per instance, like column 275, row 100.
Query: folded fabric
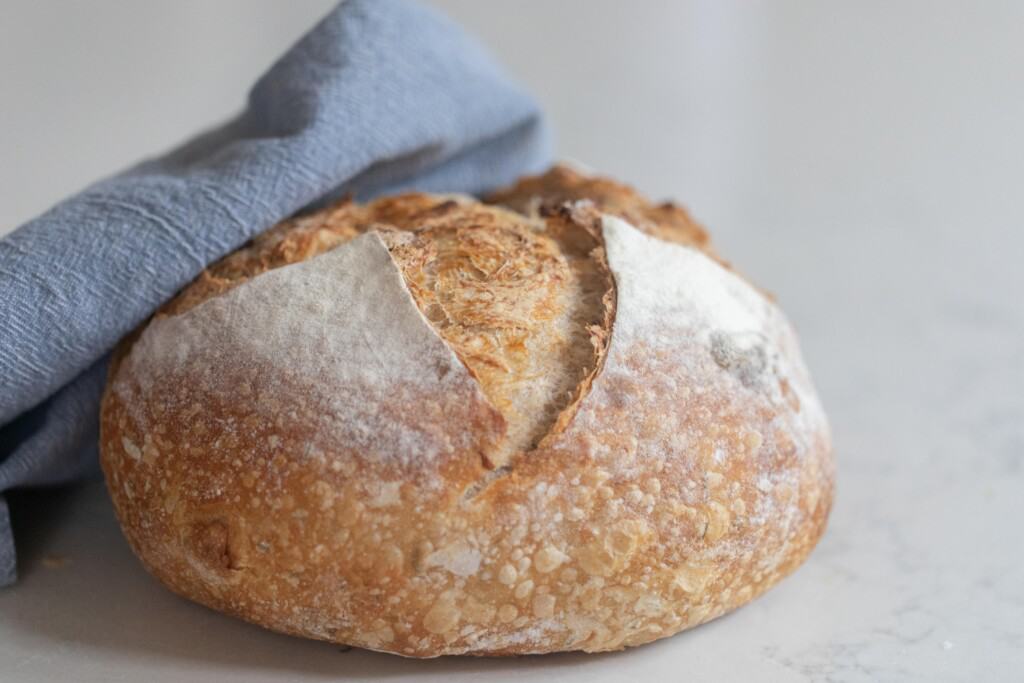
column 381, row 95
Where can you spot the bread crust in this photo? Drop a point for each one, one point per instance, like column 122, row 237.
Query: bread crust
column 687, row 471
column 560, row 185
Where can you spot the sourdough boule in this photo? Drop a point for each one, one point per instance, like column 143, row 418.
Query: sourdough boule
column 429, row 425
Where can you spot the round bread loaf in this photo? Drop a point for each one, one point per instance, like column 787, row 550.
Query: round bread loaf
column 429, row 425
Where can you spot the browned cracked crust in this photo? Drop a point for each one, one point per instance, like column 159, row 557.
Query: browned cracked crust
column 591, row 489
column 533, row 195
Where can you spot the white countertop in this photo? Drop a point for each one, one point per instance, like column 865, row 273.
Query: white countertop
column 864, row 162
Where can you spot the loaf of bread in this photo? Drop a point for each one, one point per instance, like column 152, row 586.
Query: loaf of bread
column 430, row 425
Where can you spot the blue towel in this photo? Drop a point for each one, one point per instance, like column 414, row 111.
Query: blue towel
column 380, row 96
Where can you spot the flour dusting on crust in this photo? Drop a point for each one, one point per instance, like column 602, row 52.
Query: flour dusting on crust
column 340, row 332
column 671, row 287
column 669, row 282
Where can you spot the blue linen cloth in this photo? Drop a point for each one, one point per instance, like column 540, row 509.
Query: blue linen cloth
column 380, row 96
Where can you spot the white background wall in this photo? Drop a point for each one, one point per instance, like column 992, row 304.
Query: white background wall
column 720, row 104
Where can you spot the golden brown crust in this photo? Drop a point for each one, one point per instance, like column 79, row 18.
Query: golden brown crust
column 561, row 184
column 523, row 308
column 684, row 471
